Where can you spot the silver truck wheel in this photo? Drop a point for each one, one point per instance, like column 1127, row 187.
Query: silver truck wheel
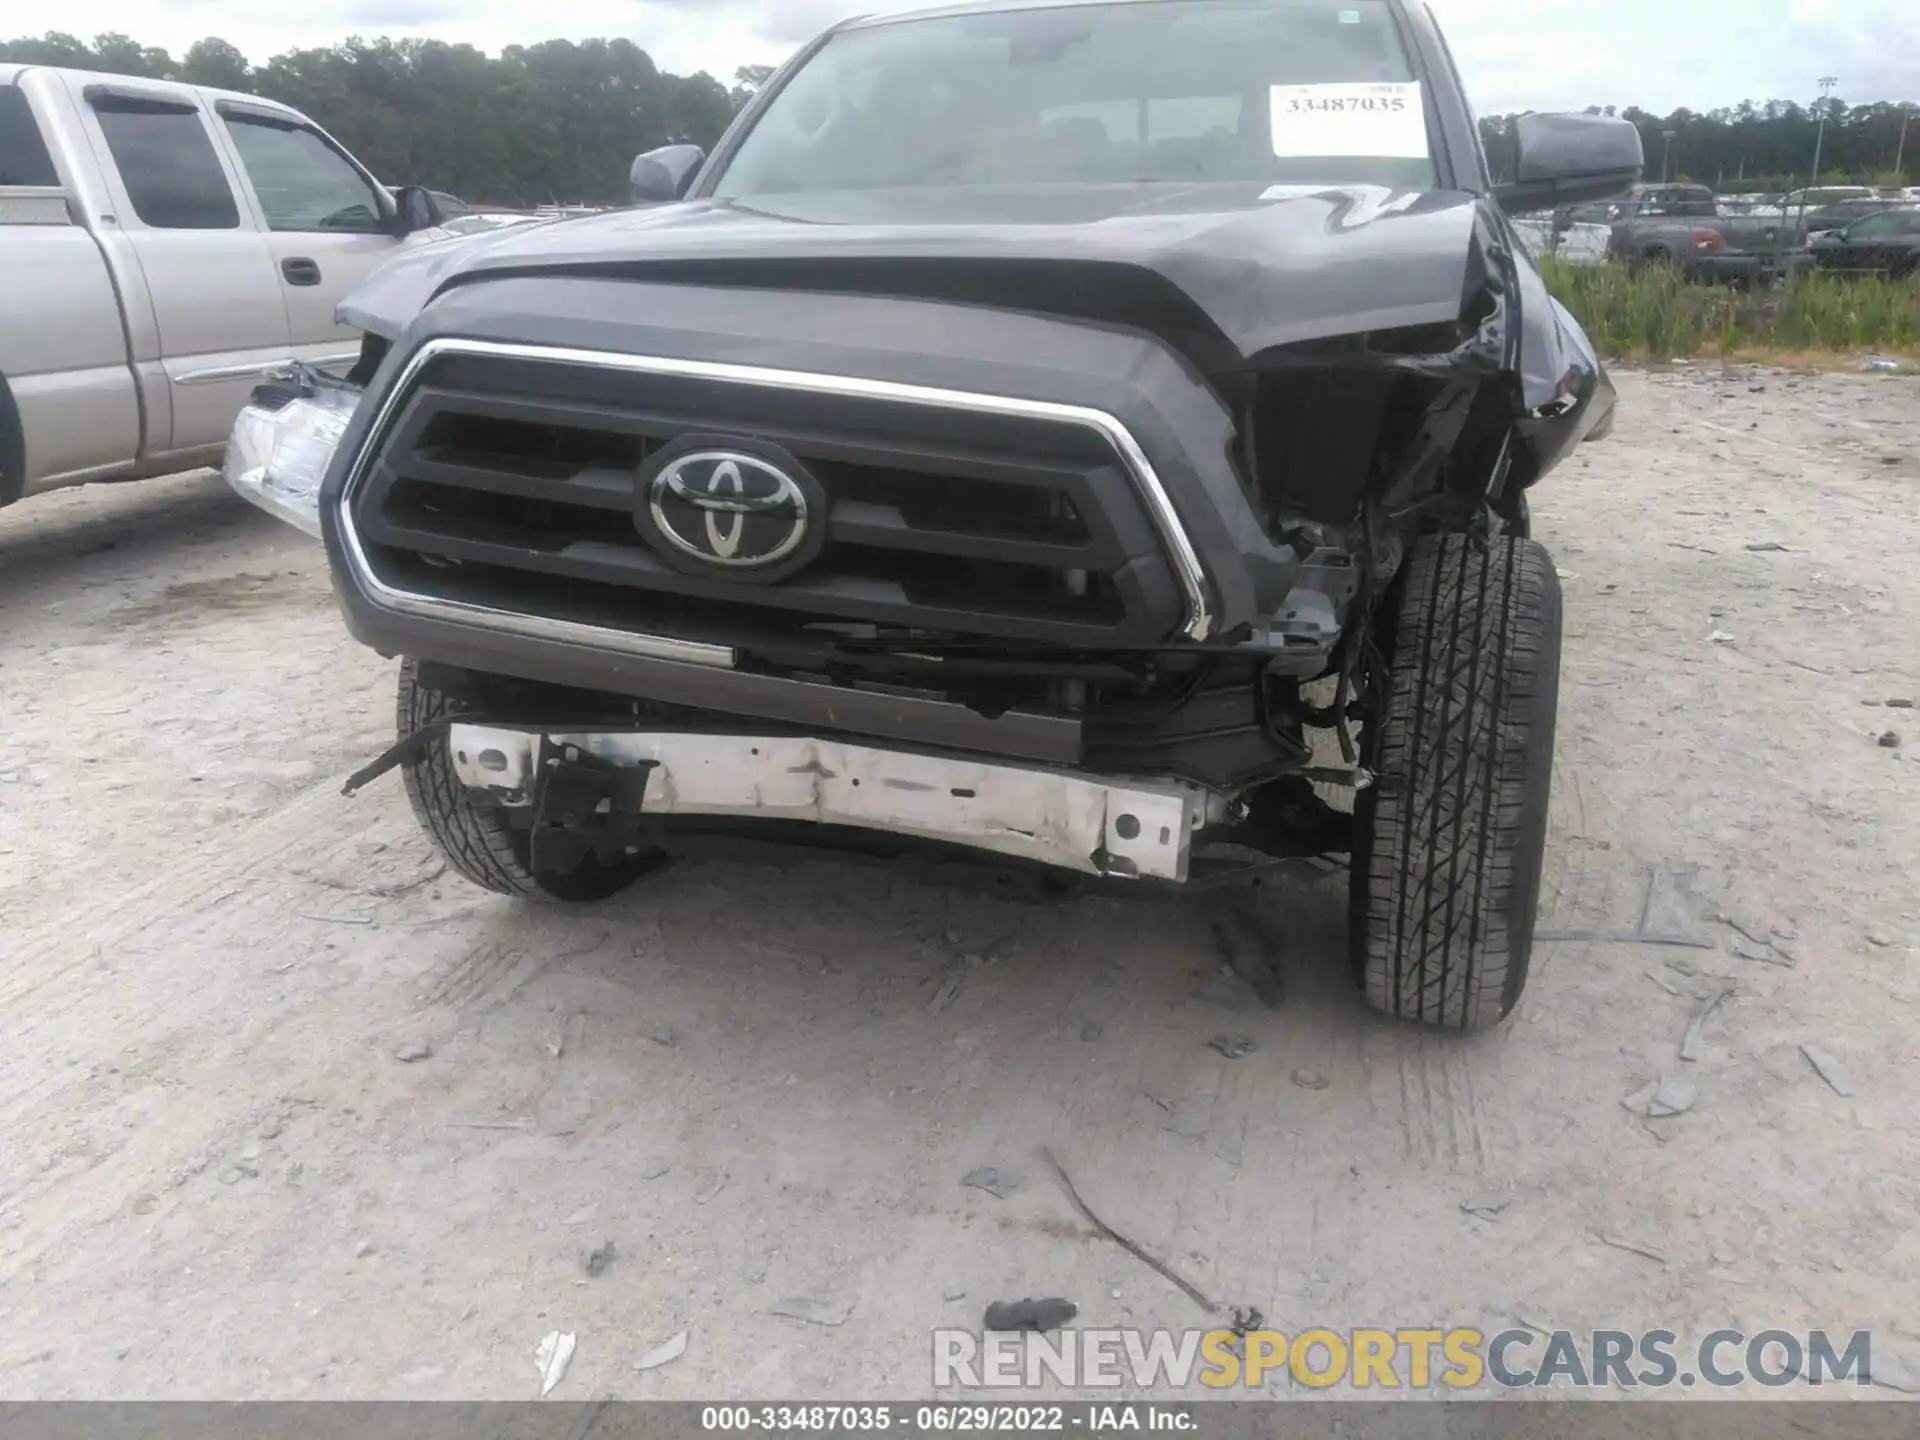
column 478, row 840
column 1450, row 841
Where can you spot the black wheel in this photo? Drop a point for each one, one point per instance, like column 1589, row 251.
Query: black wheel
column 479, row 840
column 1451, row 838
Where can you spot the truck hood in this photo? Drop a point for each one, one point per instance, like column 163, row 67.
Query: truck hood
column 1239, row 266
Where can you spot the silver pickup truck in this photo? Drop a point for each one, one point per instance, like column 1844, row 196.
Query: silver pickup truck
column 162, row 246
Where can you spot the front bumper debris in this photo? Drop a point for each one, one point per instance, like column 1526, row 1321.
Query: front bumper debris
column 1091, row 824
column 283, row 442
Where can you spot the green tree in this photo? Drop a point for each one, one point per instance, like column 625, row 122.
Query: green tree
column 215, row 63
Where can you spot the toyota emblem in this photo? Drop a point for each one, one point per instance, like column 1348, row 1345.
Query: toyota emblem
column 751, row 513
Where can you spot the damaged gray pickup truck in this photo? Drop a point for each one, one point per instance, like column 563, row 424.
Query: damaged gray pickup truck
column 1032, row 429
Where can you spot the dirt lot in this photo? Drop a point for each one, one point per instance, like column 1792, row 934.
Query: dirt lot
column 761, row 1081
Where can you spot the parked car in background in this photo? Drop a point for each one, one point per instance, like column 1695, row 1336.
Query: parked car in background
column 1839, row 216
column 1884, row 243
column 1819, row 197
column 162, row 247
column 1572, row 241
column 1686, row 227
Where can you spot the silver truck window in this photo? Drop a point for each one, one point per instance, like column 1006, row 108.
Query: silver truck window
column 302, row 181
column 167, row 162
column 23, row 150
column 1242, row 91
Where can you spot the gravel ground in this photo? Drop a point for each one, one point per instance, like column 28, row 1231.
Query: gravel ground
column 220, row 1178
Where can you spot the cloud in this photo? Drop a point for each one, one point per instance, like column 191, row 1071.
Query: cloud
column 382, row 15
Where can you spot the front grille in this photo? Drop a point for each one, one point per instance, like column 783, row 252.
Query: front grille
column 511, row 482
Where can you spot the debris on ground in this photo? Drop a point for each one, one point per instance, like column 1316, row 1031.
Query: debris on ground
column 1763, row 546
column 1486, row 1209
column 1624, row 937
column 363, row 1250
column 1900, row 703
column 1234, row 1047
column 1827, row 1065
column 1766, row 942
column 951, row 1295
column 1248, row 1318
column 1720, row 637
column 994, row 1182
column 1667, row 1096
column 583, row 1214
column 1632, row 1248
column 556, row 1043
column 411, row 1051
column 601, row 1260
column 1758, row 957
column 1035, row 1315
column 1690, row 1042
column 1664, row 985
column 1091, row 1031
column 554, row 1355
column 1889, row 739
column 1881, row 938
column 948, row 992
column 812, row 1310
column 1192, row 1291
column 668, row 1038
column 1310, row 1080
column 663, row 1354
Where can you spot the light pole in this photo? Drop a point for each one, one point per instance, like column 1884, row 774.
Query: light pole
column 1666, row 154
column 1827, row 82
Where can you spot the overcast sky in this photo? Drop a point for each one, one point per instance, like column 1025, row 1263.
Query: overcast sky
column 1516, row 54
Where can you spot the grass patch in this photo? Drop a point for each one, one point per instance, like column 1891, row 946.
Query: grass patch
column 1652, row 314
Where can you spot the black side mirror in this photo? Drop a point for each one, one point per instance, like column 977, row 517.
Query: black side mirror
column 663, row 175
column 1565, row 159
column 415, row 209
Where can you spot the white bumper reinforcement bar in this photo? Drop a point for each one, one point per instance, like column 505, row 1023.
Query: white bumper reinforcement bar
column 1099, row 826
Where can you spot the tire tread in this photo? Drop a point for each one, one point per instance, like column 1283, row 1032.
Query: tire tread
column 1453, row 834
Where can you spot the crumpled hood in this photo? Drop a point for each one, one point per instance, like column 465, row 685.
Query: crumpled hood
column 1253, row 268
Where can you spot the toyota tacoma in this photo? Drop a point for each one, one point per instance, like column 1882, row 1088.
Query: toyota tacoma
column 1094, row 435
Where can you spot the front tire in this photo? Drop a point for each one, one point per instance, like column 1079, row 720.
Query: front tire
column 1450, row 841
column 479, row 840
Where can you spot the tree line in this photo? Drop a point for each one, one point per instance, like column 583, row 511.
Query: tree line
column 557, row 122
column 561, row 121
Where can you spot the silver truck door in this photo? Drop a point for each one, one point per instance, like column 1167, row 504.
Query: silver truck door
column 69, row 409
column 328, row 224
column 214, row 287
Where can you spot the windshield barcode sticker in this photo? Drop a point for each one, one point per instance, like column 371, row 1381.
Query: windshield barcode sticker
column 1353, row 120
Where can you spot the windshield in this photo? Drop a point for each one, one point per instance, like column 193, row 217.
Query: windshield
column 1170, row 91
